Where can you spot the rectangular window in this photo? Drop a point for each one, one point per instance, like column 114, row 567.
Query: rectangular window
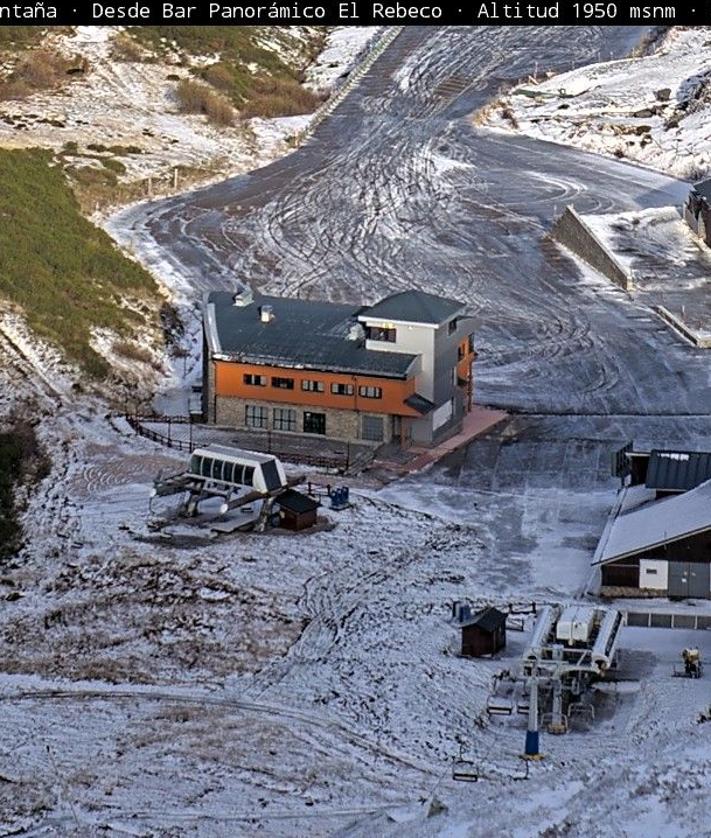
column 652, row 570
column 255, row 416
column 380, row 333
column 342, row 389
column 255, row 380
column 371, row 392
column 452, row 326
column 284, row 419
column 314, row 423
column 312, row 386
column 283, row 383
column 372, row 428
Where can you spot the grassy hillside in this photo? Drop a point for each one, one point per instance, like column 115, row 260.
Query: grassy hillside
column 253, row 72
column 17, row 37
column 64, row 272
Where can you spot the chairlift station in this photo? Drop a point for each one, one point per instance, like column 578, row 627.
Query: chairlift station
column 235, row 476
column 569, row 648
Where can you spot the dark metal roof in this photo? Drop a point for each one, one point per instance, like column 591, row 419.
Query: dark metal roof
column 306, row 334
column 419, row 403
column 414, row 307
column 703, row 190
column 296, row 502
column 678, row 471
column 488, row 620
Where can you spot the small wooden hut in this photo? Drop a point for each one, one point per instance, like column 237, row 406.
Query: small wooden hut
column 484, row 633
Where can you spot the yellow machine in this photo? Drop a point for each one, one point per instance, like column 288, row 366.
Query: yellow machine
column 693, row 668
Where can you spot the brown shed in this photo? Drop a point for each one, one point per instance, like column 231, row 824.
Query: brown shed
column 484, row 633
column 296, row 511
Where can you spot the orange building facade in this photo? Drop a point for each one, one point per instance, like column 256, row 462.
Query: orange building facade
column 347, row 373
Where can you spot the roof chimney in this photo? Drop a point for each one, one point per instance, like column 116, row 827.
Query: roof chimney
column 243, row 297
column 356, row 332
column 266, row 314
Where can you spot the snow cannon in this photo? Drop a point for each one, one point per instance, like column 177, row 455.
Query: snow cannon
column 692, row 663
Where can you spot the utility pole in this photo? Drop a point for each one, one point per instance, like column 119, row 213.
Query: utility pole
column 532, row 736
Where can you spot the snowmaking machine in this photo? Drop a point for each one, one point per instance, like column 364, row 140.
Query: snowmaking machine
column 693, row 668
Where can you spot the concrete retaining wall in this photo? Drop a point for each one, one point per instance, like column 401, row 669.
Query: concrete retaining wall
column 572, row 231
column 702, row 340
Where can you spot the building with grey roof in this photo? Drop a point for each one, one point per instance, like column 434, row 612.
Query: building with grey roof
column 659, row 548
column 397, row 370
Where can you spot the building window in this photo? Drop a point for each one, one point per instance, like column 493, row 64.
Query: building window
column 284, row 419
column 342, row 389
column 314, row 423
column 255, row 416
column 372, row 428
column 452, row 326
column 312, row 386
column 371, row 392
column 652, row 570
column 255, row 380
column 380, row 333
column 283, row 383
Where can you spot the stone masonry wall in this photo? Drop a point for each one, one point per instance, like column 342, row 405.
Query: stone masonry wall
column 571, row 231
column 340, row 424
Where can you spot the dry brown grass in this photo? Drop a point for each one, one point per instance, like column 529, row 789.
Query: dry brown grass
column 124, row 48
column 274, row 97
column 133, row 352
column 194, row 97
column 508, row 114
column 41, row 69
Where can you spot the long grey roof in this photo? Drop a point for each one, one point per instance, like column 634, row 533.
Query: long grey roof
column 307, row 334
column 703, row 189
column 678, row 470
column 414, row 307
column 656, row 524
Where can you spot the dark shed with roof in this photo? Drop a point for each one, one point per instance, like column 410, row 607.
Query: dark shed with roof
column 296, row 511
column 484, row 633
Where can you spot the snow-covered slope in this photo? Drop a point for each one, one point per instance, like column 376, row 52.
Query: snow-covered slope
column 654, row 109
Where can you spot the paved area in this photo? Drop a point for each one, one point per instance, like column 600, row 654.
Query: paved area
column 670, row 265
column 477, row 422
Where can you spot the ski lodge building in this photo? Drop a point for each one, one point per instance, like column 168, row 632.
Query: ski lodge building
column 400, row 370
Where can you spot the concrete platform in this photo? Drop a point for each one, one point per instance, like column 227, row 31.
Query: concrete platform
column 476, row 422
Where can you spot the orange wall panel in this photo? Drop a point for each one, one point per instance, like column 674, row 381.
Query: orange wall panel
column 229, row 381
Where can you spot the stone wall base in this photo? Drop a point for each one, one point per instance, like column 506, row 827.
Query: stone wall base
column 342, row 425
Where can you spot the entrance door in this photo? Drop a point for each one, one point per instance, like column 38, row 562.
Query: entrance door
column 314, row 423
column 689, row 579
column 699, row 581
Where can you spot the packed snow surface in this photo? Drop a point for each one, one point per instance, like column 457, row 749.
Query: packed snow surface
column 654, row 109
